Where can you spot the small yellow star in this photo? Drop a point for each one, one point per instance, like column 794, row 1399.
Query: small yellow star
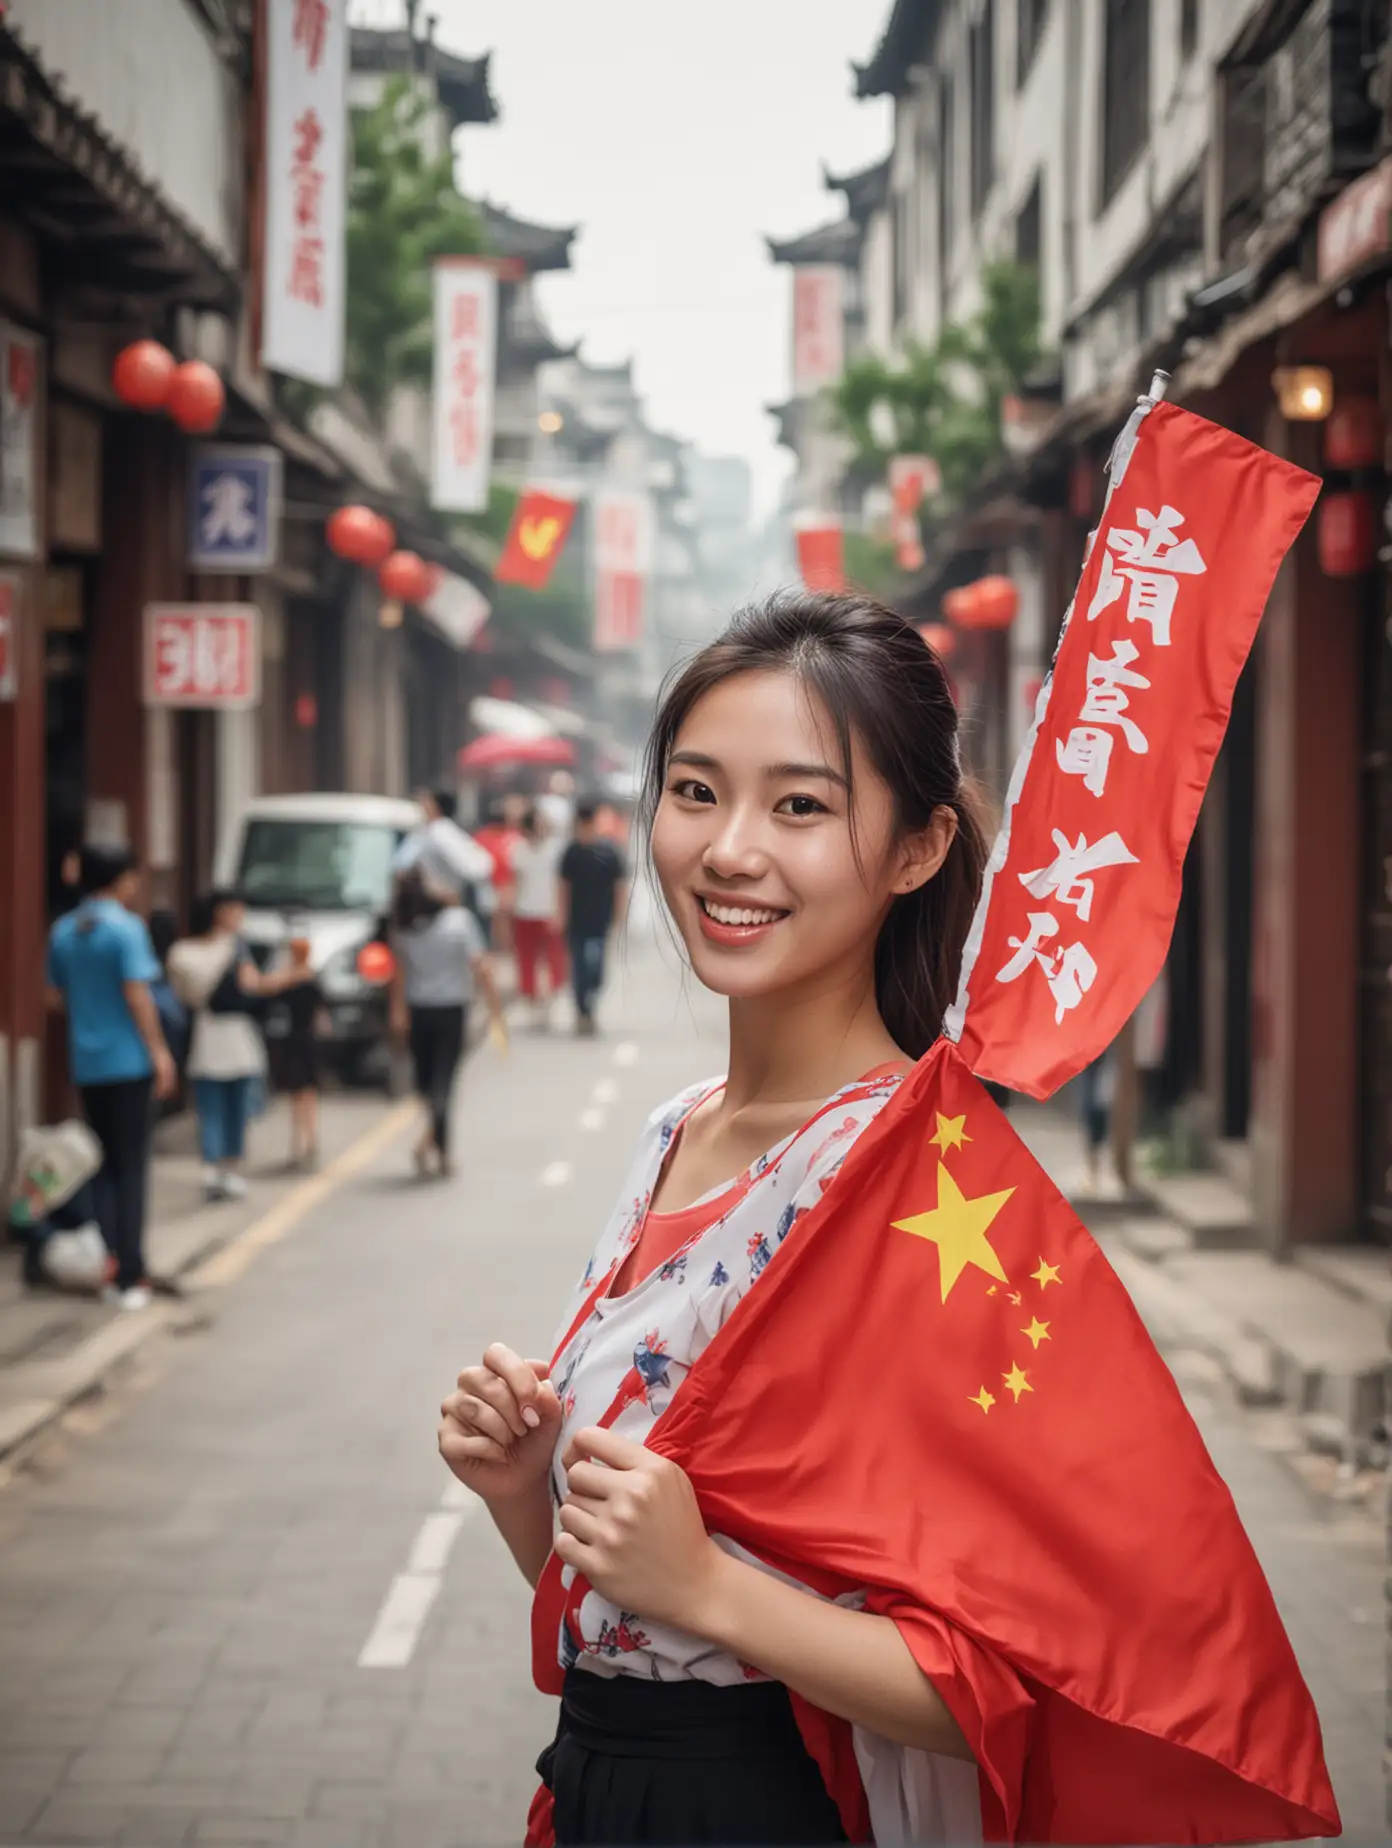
column 1037, row 1331
column 952, row 1132
column 1016, row 1382
column 1045, row 1275
column 984, row 1400
column 992, row 1290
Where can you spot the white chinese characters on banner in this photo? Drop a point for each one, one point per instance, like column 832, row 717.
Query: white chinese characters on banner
column 306, row 151
column 19, row 398
column 202, row 655
column 466, row 340
column 623, row 557
column 1145, row 563
column 818, row 331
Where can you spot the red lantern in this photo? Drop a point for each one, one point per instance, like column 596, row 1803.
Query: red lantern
column 142, row 375
column 376, row 964
column 957, row 605
column 407, row 577
column 994, row 604
column 939, row 637
column 196, row 399
column 1346, row 534
column 1353, row 434
column 360, row 535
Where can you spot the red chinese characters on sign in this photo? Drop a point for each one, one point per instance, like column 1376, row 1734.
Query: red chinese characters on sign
column 202, row 655
column 305, row 282
column 818, row 333
column 1080, row 898
column 311, row 29
column 622, row 551
column 465, row 378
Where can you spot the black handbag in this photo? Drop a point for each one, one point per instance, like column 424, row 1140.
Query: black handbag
column 229, row 997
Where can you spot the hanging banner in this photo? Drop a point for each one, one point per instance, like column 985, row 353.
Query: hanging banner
column 457, row 608
column 202, row 655
column 536, row 539
column 306, row 165
column 234, row 507
column 818, row 327
column 821, row 555
column 9, row 635
column 466, row 342
column 19, row 439
column 623, row 561
column 1083, row 882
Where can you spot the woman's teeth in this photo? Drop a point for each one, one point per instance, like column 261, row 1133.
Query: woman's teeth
column 733, row 914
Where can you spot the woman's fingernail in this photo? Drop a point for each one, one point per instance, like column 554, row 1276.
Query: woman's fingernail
column 530, row 1417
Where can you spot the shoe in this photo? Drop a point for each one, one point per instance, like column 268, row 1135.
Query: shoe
column 136, row 1297
column 234, row 1187
column 212, row 1185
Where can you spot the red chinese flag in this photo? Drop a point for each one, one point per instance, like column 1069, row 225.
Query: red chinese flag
column 540, row 525
column 821, row 557
column 941, row 1391
column 1082, row 887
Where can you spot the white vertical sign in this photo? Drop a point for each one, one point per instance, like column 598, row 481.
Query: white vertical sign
column 466, row 343
column 818, row 326
column 306, row 166
column 19, row 442
column 623, row 563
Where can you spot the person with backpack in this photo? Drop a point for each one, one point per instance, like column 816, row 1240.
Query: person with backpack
column 216, row 978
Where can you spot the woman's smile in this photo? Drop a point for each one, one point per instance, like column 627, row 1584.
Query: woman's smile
column 736, row 925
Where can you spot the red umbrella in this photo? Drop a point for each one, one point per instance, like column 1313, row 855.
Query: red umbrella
column 493, row 750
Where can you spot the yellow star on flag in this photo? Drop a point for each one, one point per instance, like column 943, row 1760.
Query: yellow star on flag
column 952, row 1132
column 983, row 1399
column 1016, row 1382
column 1037, row 1331
column 957, row 1226
column 1045, row 1275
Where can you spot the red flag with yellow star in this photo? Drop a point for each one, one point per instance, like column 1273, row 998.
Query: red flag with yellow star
column 941, row 1391
column 540, row 525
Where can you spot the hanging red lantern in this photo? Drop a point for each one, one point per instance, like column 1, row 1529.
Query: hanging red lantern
column 142, row 374
column 407, row 577
column 1353, row 434
column 956, row 605
column 1346, row 534
column 196, row 399
column 360, row 535
column 994, row 604
column 376, row 964
column 940, row 638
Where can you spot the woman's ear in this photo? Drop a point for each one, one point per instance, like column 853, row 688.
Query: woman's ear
column 921, row 854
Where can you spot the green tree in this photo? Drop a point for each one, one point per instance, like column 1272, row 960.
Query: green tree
column 944, row 400
column 403, row 212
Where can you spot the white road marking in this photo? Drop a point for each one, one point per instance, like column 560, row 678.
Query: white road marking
column 592, row 1119
column 457, row 1496
column 433, row 1543
column 556, row 1174
column 605, row 1091
column 626, row 1053
column 398, row 1626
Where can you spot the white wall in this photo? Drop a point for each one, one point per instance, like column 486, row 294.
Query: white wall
column 150, row 74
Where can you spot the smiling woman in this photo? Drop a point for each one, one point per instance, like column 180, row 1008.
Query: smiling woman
column 819, row 851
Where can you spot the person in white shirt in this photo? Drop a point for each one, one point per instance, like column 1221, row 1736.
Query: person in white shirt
column 537, row 939
column 445, row 855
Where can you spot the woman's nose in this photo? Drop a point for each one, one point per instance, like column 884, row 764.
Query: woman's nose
column 736, row 849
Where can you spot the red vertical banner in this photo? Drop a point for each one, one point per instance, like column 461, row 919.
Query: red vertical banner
column 819, row 344
column 821, row 553
column 1082, row 886
column 623, row 558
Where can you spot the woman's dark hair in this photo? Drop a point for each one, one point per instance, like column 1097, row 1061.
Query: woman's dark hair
column 880, row 683
column 102, row 867
column 204, row 909
column 413, row 902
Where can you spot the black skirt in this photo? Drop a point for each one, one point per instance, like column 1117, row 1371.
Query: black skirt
column 673, row 1762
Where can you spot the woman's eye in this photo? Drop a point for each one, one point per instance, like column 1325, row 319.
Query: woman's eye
column 693, row 791
column 801, row 806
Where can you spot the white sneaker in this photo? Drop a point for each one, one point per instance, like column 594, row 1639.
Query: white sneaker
column 212, row 1184
column 234, row 1187
column 137, row 1297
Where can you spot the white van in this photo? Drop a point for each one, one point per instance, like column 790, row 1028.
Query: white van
column 320, row 866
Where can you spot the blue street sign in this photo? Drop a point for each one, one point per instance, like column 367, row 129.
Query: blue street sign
column 234, row 508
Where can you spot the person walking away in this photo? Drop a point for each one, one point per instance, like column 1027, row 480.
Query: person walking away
column 537, row 941
column 299, row 1055
column 448, row 856
column 101, row 966
column 498, row 836
column 441, row 956
column 1096, row 1084
column 216, row 979
column 593, row 899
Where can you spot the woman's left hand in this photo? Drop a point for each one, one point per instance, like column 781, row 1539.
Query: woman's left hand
column 631, row 1525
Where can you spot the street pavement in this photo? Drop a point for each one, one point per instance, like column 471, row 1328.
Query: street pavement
column 242, row 1603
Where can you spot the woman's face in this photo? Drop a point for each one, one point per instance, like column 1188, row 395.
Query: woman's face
column 754, row 844
column 229, row 917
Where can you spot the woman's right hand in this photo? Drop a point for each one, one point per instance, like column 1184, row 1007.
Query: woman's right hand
column 498, row 1429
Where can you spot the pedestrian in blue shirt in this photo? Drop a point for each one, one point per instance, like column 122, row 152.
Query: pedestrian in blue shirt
column 100, row 967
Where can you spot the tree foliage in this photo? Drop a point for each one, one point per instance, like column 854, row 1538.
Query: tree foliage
column 944, row 400
column 403, row 212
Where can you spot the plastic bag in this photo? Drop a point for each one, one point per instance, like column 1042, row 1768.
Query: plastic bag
column 53, row 1163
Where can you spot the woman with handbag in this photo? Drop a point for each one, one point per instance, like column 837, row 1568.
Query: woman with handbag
column 213, row 974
